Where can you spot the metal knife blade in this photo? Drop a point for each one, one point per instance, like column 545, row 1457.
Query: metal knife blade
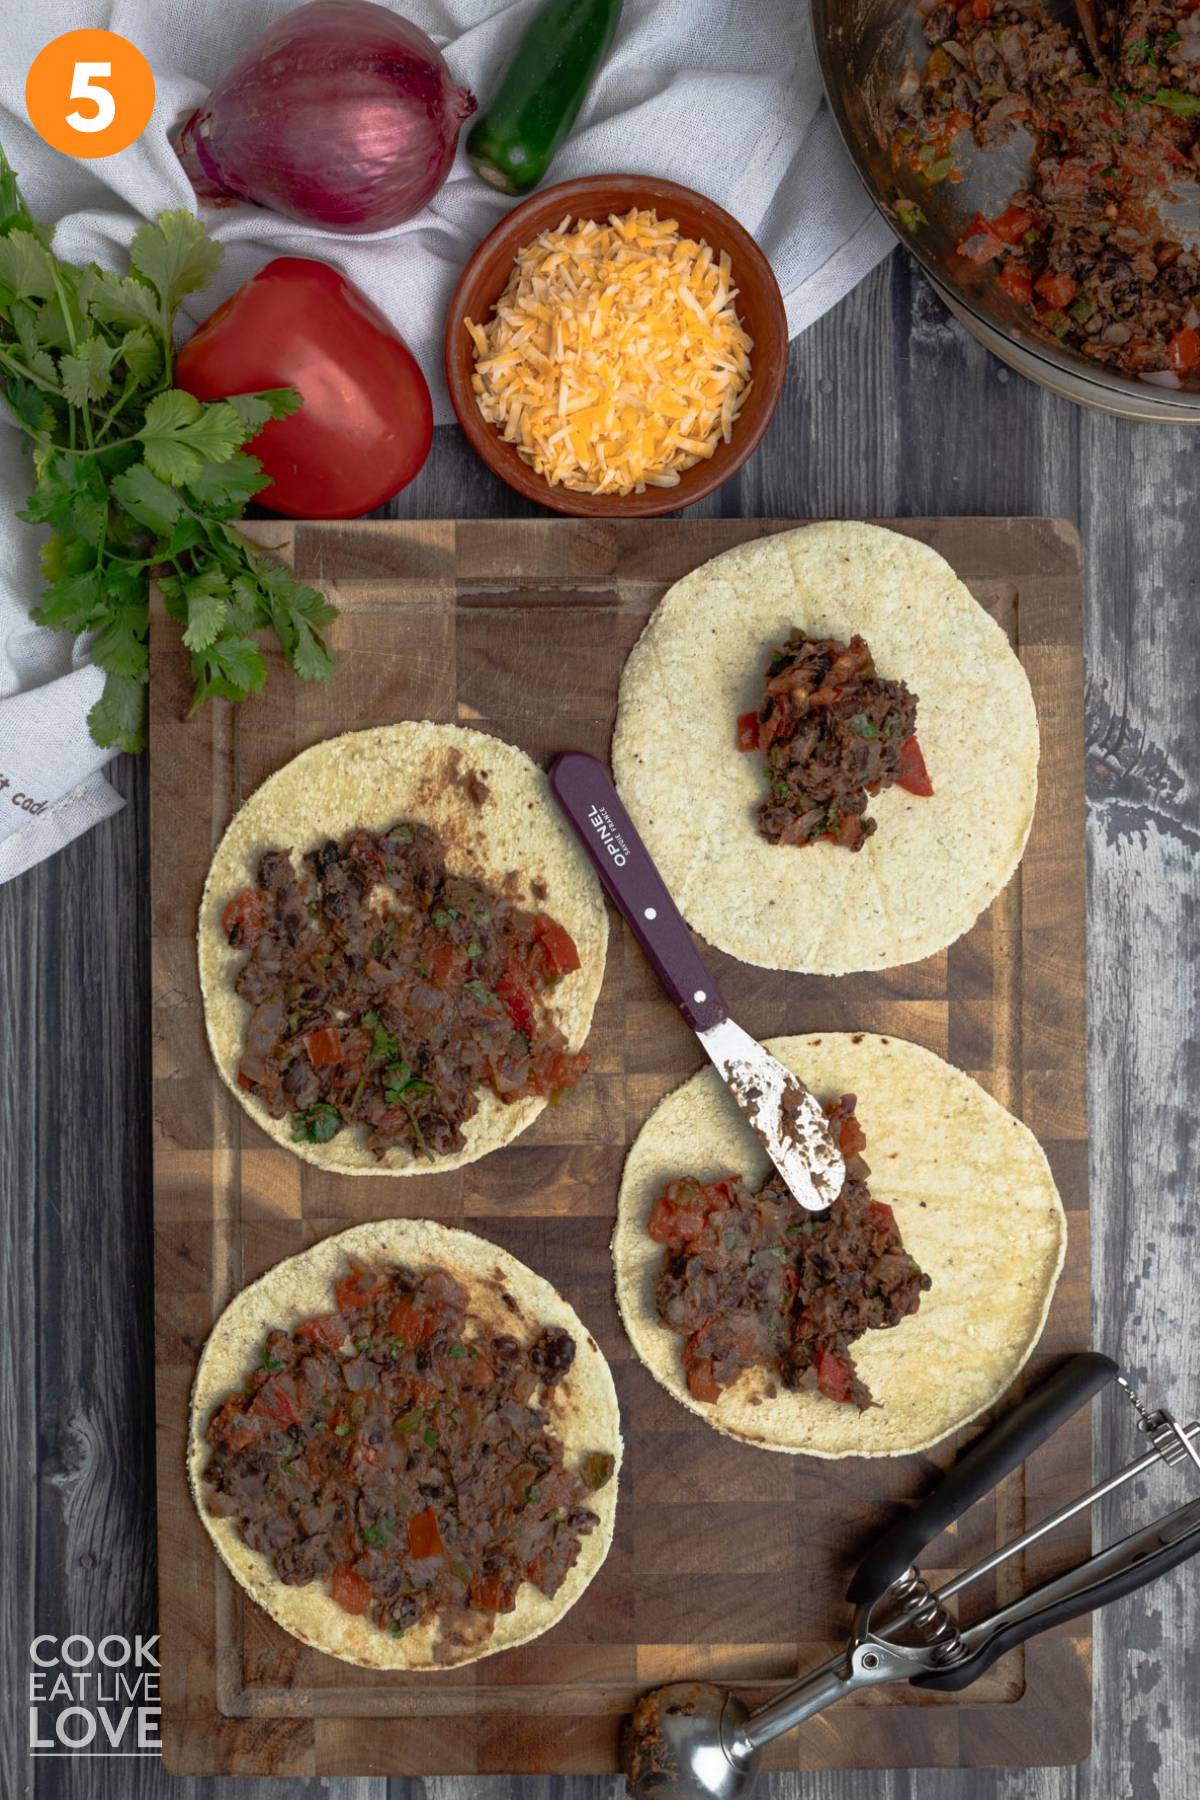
column 788, row 1121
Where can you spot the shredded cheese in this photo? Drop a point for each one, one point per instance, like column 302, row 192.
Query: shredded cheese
column 614, row 358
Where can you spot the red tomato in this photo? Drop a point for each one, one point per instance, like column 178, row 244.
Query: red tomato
column 366, row 424
column 443, row 962
column 324, row 1046
column 913, row 776
column 1056, row 290
column 833, row 1376
column 1016, row 280
column 410, row 1323
column 358, row 1288
column 880, row 1214
column 747, row 731
column 489, row 1594
column 515, row 998
column 350, row 1591
column 1012, row 224
column 851, row 1137
column 276, row 1400
column 245, row 919
column 424, row 1538
column 329, row 1329
column 981, row 243
column 558, row 946
column 1184, row 350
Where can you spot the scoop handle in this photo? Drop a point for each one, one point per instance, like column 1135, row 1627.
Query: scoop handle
column 584, row 789
column 991, row 1457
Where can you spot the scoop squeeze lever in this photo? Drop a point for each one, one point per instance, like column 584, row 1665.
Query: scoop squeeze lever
column 788, row 1121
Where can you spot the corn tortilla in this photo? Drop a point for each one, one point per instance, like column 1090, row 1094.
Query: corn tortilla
column 976, row 1205
column 935, row 863
column 583, row 1408
column 514, row 839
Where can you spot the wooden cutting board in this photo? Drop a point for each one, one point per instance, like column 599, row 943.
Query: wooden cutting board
column 729, row 1562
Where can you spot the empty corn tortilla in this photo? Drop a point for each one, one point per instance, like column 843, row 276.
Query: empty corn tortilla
column 583, row 1408
column 976, row 1205
column 934, row 863
column 515, row 836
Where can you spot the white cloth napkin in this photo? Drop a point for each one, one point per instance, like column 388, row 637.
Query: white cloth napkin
column 722, row 95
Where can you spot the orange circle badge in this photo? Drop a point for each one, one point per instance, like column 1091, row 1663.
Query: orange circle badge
column 89, row 93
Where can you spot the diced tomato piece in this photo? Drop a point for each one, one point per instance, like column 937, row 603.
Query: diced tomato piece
column 852, row 1139
column 1055, row 289
column 1184, row 350
column 245, row 919
column 358, row 1288
column 880, row 1214
column 558, row 946
column 981, row 243
column 679, row 1214
column 324, row 1046
column 412, row 1324
column 1012, row 224
column 516, row 1000
column 833, row 1376
column 847, row 832
column 328, row 1329
column 276, row 1400
column 913, row 776
column 747, row 731
column 702, row 1383
column 536, row 1571
column 424, row 1538
column 350, row 1591
column 423, row 1392
column 1016, row 280
column 490, row 1594
column 482, row 1373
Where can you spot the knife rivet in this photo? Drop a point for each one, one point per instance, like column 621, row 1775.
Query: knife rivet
column 699, row 996
column 650, row 913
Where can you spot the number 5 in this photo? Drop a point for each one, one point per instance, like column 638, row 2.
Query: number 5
column 83, row 87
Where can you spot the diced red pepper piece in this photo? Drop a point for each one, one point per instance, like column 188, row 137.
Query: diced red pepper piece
column 412, row 1324
column 516, row 1000
column 424, row 1538
column 328, row 1329
column 1016, row 280
column 913, row 776
column 747, row 731
column 489, row 1593
column 980, row 244
column 350, row 1591
column 1012, row 224
column 245, row 919
column 557, row 944
column 834, row 1377
column 1055, row 289
column 358, row 1288
column 276, row 1400
column 1184, row 350
column 324, row 1046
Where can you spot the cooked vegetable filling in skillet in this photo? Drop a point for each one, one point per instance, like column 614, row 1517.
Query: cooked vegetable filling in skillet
column 404, row 1455
column 749, row 1280
column 833, row 733
column 390, row 993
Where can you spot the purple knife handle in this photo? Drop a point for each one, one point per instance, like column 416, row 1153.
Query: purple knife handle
column 583, row 788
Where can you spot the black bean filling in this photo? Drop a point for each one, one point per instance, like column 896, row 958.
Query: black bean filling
column 748, row 1280
column 404, row 1456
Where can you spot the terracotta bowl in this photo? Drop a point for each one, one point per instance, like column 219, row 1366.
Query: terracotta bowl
column 759, row 305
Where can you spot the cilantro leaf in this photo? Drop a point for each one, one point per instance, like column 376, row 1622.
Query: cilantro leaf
column 118, row 718
column 121, row 647
column 180, row 435
column 26, row 267
column 309, row 657
column 255, row 409
column 121, row 300
column 85, row 372
column 70, row 603
column 222, row 489
column 176, row 255
column 205, row 596
column 140, row 354
column 1184, row 106
column 147, row 499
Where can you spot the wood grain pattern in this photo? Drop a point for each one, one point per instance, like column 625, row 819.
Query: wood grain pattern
column 889, row 409
column 523, row 629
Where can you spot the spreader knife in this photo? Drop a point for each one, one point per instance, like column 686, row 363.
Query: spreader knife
column 787, row 1120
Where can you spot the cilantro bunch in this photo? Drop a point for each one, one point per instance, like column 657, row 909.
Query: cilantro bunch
column 137, row 479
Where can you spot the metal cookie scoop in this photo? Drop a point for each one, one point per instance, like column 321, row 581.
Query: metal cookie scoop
column 787, row 1120
column 694, row 1741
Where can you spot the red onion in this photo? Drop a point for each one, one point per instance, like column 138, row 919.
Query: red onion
column 343, row 114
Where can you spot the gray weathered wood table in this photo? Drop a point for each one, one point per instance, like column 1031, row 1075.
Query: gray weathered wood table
column 889, row 409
